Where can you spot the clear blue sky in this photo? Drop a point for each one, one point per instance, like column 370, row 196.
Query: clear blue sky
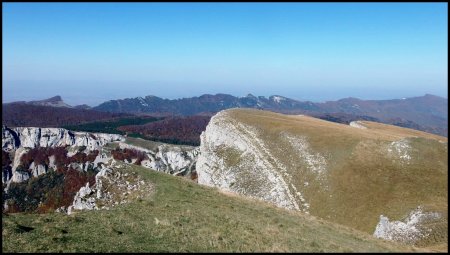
column 93, row 52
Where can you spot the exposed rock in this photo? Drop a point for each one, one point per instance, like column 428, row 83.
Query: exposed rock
column 61, row 209
column 83, row 201
column 357, row 124
column 169, row 159
column 17, row 155
column 21, row 139
column 37, row 170
column 111, row 188
column 400, row 150
column 10, row 140
column 323, row 168
column 101, row 158
column 267, row 182
column 51, row 163
column 20, row 176
column 407, row 231
column 32, row 137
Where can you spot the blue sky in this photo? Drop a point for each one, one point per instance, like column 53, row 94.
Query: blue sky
column 93, row 52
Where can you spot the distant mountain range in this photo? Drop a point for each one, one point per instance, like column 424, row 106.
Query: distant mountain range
column 427, row 113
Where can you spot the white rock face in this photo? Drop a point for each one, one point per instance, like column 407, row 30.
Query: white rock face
column 407, row 231
column 51, row 163
column 21, row 139
column 9, row 141
column 17, row 155
column 315, row 161
column 37, row 170
column 20, row 176
column 401, row 150
column 101, row 158
column 168, row 158
column 357, row 124
column 269, row 179
column 82, row 201
column 31, row 137
column 278, row 99
column 99, row 196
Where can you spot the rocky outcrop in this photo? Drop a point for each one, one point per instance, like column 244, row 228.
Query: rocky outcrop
column 32, row 137
column 336, row 172
column 243, row 155
column 37, row 170
column 407, row 231
column 168, row 158
column 10, row 140
column 111, row 188
column 20, row 140
column 83, row 200
column 20, row 176
column 357, row 124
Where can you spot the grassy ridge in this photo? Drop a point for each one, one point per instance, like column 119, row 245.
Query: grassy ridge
column 362, row 173
column 185, row 217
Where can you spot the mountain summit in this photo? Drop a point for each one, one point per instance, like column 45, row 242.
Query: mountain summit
column 55, row 101
column 427, row 113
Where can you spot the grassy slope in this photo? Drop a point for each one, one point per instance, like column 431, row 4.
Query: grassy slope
column 362, row 181
column 184, row 216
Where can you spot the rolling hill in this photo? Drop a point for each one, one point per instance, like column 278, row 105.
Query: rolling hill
column 181, row 216
column 355, row 175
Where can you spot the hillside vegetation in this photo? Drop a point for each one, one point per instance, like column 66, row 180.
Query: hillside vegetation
column 427, row 113
column 345, row 174
column 174, row 130
column 183, row 216
column 111, row 126
column 26, row 115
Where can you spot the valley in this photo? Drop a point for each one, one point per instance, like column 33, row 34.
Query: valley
column 361, row 180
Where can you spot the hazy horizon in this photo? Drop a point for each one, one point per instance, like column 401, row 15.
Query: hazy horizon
column 89, row 53
column 74, row 100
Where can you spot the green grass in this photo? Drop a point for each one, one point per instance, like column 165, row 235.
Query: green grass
column 182, row 216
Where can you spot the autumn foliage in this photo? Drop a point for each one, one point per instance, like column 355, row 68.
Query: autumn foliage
column 19, row 115
column 129, row 154
column 40, row 156
column 49, row 191
column 176, row 130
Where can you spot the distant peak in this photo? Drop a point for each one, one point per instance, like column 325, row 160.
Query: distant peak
column 50, row 100
column 55, row 98
column 82, row 106
column 53, row 101
column 277, row 98
column 151, row 96
column 430, row 95
column 349, row 99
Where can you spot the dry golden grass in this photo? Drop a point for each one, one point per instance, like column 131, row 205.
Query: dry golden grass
column 374, row 130
column 362, row 179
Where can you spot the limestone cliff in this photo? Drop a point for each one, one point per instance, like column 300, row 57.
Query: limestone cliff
column 337, row 172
